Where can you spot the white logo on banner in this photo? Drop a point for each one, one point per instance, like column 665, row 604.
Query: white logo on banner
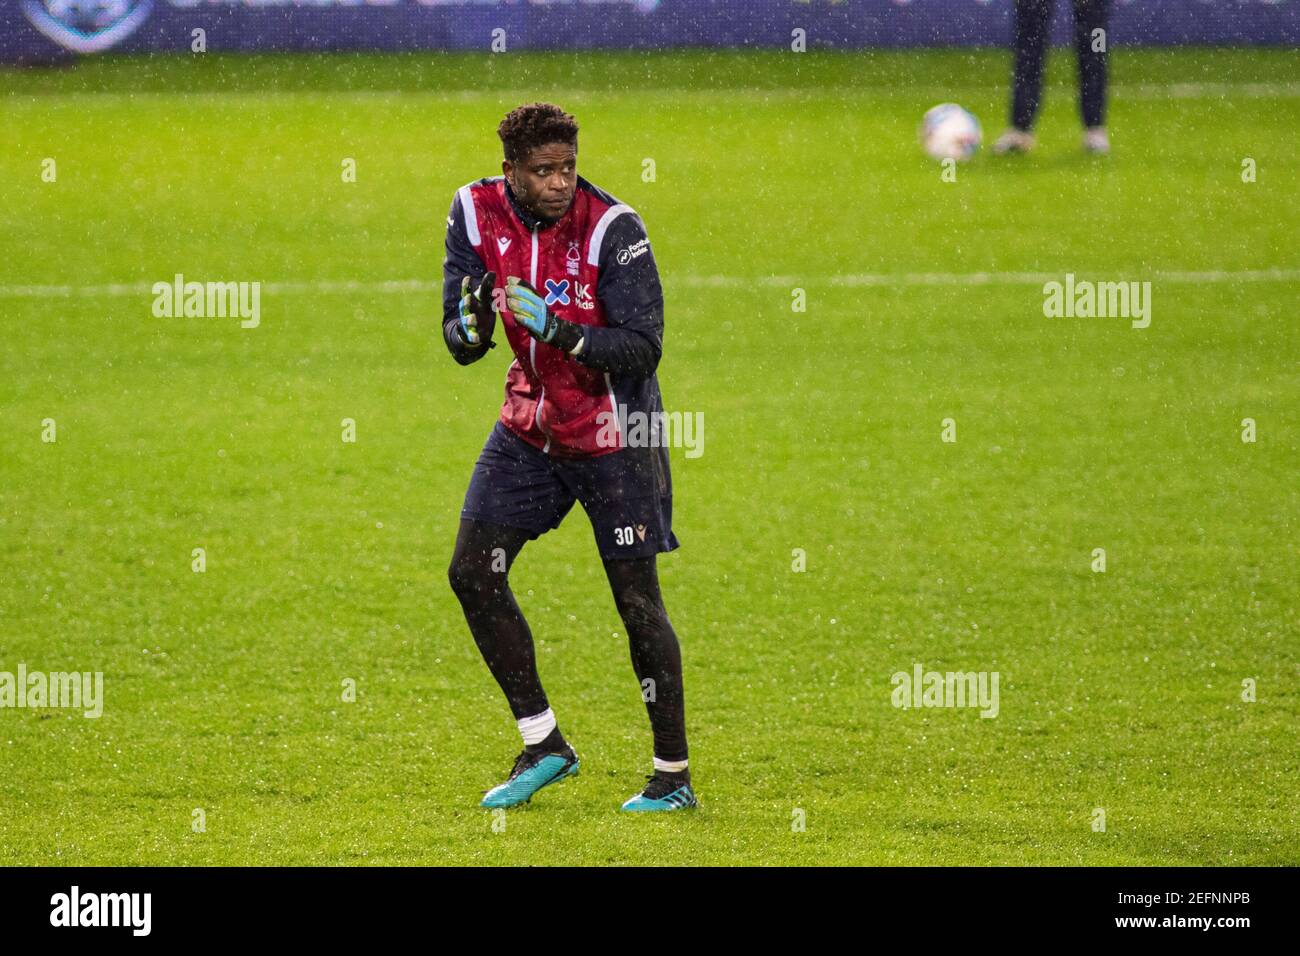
column 87, row 26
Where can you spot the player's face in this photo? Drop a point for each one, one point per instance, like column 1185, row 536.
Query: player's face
column 544, row 183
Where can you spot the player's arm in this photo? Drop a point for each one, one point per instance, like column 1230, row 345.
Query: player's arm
column 467, row 316
column 632, row 298
column 633, row 301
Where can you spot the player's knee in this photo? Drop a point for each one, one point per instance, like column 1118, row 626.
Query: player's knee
column 641, row 613
column 469, row 579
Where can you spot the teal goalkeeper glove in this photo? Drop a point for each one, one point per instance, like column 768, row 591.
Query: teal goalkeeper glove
column 530, row 311
column 477, row 317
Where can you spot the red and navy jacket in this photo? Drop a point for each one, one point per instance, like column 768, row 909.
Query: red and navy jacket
column 595, row 268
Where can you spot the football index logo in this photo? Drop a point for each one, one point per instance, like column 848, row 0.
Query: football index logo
column 87, row 26
column 628, row 253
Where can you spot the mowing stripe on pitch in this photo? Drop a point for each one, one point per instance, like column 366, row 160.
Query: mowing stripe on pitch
column 849, row 280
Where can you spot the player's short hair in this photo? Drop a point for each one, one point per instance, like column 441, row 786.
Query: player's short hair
column 535, row 124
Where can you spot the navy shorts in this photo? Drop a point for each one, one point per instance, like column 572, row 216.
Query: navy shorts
column 627, row 494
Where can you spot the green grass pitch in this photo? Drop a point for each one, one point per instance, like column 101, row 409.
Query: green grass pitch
column 1120, row 691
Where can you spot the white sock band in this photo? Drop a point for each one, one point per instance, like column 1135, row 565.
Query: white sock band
column 537, row 727
column 670, row 766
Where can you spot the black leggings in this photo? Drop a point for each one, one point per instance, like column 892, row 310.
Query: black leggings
column 1033, row 20
column 479, row 575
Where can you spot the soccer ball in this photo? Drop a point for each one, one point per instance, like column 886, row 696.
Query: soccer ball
column 950, row 132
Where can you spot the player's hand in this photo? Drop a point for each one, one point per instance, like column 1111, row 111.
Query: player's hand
column 477, row 317
column 529, row 309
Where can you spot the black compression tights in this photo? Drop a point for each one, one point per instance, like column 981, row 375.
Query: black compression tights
column 479, row 576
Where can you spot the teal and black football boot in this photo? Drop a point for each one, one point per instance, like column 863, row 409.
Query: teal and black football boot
column 664, row 791
column 531, row 773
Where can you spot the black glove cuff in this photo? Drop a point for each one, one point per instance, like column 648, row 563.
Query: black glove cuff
column 567, row 335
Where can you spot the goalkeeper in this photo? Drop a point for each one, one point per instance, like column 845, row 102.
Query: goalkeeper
column 564, row 272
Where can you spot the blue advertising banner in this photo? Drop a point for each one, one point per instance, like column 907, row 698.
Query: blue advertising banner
column 40, row 29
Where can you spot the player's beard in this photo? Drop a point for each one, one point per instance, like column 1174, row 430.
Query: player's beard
column 547, row 215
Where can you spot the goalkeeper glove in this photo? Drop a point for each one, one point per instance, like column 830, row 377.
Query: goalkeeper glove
column 477, row 317
column 531, row 312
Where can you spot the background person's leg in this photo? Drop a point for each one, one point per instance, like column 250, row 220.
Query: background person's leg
column 1090, row 16
column 1032, row 23
column 656, row 655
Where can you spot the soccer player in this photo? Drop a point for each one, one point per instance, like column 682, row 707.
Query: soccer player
column 1033, row 21
column 569, row 272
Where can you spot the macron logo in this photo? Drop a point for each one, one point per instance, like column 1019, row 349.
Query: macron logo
column 103, row 909
column 503, row 243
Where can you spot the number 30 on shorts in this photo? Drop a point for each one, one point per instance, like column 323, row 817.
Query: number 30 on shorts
column 623, row 535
